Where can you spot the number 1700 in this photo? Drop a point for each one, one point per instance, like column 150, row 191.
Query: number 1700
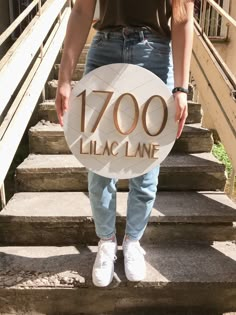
column 116, row 110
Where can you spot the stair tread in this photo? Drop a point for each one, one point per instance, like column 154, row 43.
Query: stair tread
column 46, row 126
column 186, row 207
column 196, row 161
column 71, row 266
column 47, row 110
column 51, row 102
column 78, row 65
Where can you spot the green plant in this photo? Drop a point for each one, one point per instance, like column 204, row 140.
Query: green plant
column 220, row 153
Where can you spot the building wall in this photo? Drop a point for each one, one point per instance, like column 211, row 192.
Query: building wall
column 4, row 23
column 227, row 50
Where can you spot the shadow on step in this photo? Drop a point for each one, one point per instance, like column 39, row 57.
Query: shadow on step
column 178, row 275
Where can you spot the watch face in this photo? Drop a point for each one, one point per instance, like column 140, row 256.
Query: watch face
column 121, row 121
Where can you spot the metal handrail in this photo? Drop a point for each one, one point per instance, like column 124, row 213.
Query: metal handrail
column 18, row 20
column 222, row 12
column 18, row 112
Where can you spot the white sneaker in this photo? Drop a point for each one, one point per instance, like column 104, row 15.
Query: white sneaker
column 135, row 265
column 103, row 268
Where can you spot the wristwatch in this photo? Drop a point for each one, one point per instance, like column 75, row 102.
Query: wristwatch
column 179, row 89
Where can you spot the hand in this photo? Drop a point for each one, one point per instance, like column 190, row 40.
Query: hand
column 62, row 100
column 181, row 114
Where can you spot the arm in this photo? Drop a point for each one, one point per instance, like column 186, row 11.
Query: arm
column 78, row 27
column 182, row 39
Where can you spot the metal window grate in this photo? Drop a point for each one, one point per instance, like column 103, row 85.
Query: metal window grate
column 16, row 7
column 212, row 23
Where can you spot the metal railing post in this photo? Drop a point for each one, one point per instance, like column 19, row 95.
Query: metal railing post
column 3, row 196
column 203, row 15
column 232, row 181
column 41, row 47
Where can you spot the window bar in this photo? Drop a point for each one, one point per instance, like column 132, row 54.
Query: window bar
column 208, row 17
column 203, row 15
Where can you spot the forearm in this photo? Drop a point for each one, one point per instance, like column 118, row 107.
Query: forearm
column 78, row 27
column 182, row 40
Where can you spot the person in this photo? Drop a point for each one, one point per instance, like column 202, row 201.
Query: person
column 157, row 35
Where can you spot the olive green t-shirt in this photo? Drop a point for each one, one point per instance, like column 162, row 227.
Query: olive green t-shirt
column 115, row 14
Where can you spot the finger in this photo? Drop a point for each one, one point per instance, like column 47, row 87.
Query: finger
column 180, row 128
column 59, row 111
column 177, row 114
column 65, row 104
column 60, row 118
column 181, row 124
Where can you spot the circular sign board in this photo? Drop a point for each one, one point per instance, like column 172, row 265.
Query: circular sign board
column 120, row 122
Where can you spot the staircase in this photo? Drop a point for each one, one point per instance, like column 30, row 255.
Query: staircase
column 49, row 243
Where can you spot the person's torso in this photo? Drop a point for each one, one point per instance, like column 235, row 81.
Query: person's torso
column 154, row 14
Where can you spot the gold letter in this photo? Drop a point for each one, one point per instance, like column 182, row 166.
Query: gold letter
column 135, row 117
column 82, row 122
column 114, row 154
column 95, row 148
column 81, row 147
column 144, row 116
column 127, row 150
column 103, row 109
column 139, row 150
column 155, row 148
column 106, row 148
column 148, row 150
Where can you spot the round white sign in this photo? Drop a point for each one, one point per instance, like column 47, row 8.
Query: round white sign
column 121, row 121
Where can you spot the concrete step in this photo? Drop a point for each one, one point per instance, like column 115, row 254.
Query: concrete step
column 51, row 88
column 64, row 173
column 82, row 57
column 57, row 280
column 59, row 218
column 46, row 111
column 79, row 69
column 48, row 138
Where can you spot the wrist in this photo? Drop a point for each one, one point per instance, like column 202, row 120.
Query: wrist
column 180, row 89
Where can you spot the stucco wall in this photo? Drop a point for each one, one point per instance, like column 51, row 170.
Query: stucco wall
column 227, row 50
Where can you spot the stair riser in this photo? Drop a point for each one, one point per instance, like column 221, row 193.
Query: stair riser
column 41, row 143
column 81, row 60
column 62, row 232
column 52, row 87
column 73, row 180
column 78, row 73
column 48, row 113
column 82, row 57
column 121, row 300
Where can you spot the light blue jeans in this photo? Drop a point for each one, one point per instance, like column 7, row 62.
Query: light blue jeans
column 144, row 48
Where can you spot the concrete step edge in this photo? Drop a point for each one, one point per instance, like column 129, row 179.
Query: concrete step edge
column 175, row 264
column 46, row 111
column 179, row 162
column 169, row 207
column 46, row 127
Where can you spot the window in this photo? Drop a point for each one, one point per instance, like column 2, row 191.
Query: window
column 213, row 24
column 16, row 7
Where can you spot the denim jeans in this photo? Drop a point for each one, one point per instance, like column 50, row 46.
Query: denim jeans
column 144, row 48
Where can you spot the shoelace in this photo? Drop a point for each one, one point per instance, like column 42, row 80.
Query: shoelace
column 134, row 251
column 104, row 255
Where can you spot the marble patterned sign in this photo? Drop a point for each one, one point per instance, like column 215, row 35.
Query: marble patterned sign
column 121, row 121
